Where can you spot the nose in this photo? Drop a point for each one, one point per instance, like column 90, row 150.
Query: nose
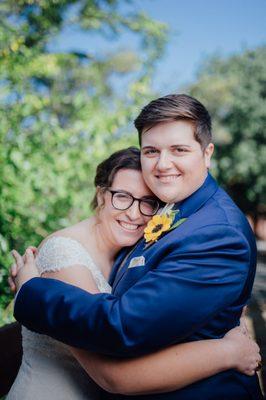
column 133, row 211
column 164, row 162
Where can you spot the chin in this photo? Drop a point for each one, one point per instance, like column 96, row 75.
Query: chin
column 169, row 198
column 128, row 243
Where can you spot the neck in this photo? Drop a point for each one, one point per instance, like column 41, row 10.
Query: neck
column 204, row 179
column 200, row 184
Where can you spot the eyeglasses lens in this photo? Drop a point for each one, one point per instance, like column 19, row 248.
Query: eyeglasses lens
column 123, row 201
column 148, row 207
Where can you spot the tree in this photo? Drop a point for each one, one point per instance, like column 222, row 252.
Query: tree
column 60, row 113
column 234, row 90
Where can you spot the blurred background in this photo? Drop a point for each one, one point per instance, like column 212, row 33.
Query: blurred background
column 75, row 74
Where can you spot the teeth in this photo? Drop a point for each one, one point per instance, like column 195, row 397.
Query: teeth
column 169, row 178
column 131, row 227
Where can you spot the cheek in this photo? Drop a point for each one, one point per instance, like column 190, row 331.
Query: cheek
column 115, row 216
column 147, row 174
column 192, row 166
column 183, row 165
column 108, row 215
column 147, row 165
column 146, row 220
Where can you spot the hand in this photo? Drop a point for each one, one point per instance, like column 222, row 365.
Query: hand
column 14, row 268
column 244, row 351
column 23, row 269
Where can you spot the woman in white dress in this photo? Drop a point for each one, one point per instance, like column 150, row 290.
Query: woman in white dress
column 83, row 255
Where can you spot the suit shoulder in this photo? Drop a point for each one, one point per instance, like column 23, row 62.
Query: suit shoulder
column 221, row 209
column 220, row 212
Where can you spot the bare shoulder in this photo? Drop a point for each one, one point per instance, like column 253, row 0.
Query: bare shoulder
column 76, row 232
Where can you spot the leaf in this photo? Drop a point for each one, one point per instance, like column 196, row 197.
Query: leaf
column 178, row 223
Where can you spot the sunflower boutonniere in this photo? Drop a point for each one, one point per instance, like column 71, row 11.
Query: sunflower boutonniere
column 161, row 223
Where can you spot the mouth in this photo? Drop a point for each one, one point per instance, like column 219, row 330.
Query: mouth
column 129, row 226
column 168, row 178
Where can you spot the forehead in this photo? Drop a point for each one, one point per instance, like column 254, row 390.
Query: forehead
column 131, row 181
column 169, row 133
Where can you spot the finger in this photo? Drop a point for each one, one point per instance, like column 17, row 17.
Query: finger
column 242, row 321
column 243, row 326
column 259, row 366
column 11, row 284
column 250, row 372
column 256, row 347
column 13, row 270
column 244, row 330
column 33, row 249
column 18, row 258
column 254, row 365
column 244, row 312
column 29, row 257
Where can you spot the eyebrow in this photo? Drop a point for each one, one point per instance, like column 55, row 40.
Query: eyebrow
column 119, row 190
column 181, row 145
column 146, row 197
column 173, row 145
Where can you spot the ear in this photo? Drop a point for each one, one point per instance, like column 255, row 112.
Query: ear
column 100, row 197
column 208, row 152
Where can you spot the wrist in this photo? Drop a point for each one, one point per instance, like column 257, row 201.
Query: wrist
column 24, row 279
column 229, row 353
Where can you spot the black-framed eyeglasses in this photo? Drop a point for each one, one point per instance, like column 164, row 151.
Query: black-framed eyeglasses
column 124, row 200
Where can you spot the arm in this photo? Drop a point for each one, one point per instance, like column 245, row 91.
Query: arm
column 172, row 368
column 167, row 370
column 160, row 309
column 77, row 275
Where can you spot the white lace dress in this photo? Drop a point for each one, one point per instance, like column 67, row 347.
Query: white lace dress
column 48, row 370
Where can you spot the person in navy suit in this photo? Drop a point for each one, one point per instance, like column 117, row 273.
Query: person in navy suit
column 187, row 280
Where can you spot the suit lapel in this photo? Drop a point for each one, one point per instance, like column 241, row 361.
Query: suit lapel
column 119, row 259
column 122, row 268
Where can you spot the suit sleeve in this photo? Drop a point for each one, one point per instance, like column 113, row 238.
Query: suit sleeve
column 173, row 300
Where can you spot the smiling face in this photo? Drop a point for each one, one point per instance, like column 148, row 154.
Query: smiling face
column 124, row 228
column 173, row 163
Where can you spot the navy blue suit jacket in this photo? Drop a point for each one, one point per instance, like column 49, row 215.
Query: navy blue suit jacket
column 193, row 285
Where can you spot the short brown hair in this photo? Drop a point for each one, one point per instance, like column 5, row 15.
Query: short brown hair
column 122, row 159
column 174, row 107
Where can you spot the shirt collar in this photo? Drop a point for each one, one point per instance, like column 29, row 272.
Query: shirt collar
column 197, row 199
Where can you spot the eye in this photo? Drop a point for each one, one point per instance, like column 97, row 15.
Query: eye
column 150, row 151
column 149, row 206
column 180, row 150
column 122, row 196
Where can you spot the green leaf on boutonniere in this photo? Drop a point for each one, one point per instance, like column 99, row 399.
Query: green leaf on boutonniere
column 178, row 223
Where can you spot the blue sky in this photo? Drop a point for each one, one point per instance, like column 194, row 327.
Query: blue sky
column 198, row 28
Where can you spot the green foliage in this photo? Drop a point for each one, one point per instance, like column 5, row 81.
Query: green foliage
column 60, row 114
column 234, row 90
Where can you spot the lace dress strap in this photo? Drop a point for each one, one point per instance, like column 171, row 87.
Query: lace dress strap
column 60, row 252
